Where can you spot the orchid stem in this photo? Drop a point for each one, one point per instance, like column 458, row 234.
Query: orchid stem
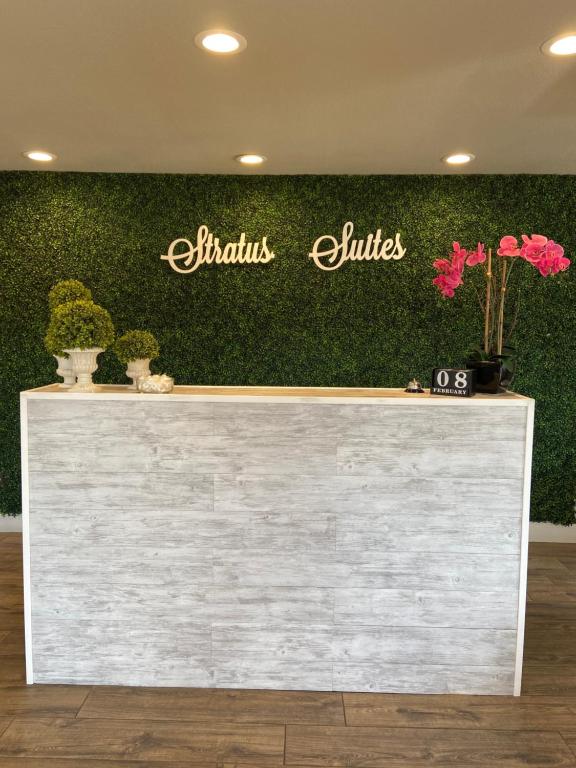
column 487, row 307
column 501, row 309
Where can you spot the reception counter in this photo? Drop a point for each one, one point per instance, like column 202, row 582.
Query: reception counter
column 327, row 539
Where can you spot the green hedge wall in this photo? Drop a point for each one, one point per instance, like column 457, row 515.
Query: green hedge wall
column 366, row 324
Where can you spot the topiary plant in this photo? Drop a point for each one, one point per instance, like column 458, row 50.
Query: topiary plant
column 68, row 290
column 79, row 325
column 136, row 345
column 50, row 345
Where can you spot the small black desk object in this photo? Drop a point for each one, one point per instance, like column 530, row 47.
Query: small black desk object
column 456, row 382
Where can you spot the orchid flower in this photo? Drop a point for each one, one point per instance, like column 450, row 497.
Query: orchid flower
column 477, row 256
column 445, row 285
column 546, row 255
column 533, row 248
column 552, row 259
column 458, row 257
column 509, row 246
column 442, row 265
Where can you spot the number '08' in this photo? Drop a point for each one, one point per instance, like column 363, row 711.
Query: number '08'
column 460, row 381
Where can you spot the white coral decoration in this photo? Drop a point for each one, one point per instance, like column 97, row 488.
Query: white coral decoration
column 157, row 384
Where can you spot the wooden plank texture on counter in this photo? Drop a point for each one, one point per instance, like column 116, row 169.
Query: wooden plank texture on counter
column 343, row 644
column 84, row 490
column 304, row 543
column 364, row 421
column 431, row 496
column 372, row 569
column 411, row 530
column 425, row 678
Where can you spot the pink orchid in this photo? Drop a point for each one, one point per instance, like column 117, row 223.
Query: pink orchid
column 533, row 248
column 447, row 281
column 442, row 265
column 552, row 259
column 534, row 240
column 454, row 278
column 441, row 281
column 561, row 263
column 546, row 255
column 509, row 246
column 477, row 256
column 458, row 256
column 450, row 276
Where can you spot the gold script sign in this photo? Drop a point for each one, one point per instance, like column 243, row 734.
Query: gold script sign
column 185, row 257
column 328, row 253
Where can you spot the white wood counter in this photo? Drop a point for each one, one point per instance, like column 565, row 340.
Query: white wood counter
column 328, row 539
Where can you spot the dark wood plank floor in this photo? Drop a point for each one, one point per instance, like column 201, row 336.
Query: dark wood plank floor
column 105, row 727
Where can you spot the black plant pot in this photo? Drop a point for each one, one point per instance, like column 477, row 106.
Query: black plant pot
column 507, row 365
column 488, row 374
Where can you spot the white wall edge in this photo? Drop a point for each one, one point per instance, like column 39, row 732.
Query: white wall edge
column 523, row 576
column 26, row 541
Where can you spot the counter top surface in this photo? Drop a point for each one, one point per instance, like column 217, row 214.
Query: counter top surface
column 279, row 394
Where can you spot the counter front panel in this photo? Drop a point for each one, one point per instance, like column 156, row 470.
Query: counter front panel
column 268, row 541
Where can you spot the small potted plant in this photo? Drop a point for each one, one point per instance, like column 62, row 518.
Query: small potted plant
column 61, row 293
column 83, row 330
column 135, row 349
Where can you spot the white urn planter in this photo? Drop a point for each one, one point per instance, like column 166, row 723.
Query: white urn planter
column 84, row 363
column 136, row 369
column 65, row 371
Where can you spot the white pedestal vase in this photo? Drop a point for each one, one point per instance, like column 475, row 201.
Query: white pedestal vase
column 136, row 369
column 65, row 371
column 84, row 363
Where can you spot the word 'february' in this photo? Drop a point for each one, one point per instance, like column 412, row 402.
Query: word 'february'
column 329, row 254
column 209, row 251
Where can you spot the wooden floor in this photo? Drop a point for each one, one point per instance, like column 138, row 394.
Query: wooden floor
column 104, row 727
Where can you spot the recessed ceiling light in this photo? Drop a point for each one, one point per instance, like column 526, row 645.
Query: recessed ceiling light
column 562, row 45
column 250, row 159
column 39, row 156
column 459, row 158
column 220, row 41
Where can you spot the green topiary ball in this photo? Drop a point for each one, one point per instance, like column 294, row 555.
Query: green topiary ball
column 68, row 290
column 79, row 325
column 51, row 345
column 136, row 345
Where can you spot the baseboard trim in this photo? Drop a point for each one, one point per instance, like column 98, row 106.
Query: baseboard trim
column 10, row 524
column 560, row 534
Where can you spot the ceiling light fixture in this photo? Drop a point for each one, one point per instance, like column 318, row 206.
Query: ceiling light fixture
column 220, row 41
column 39, row 156
column 562, row 45
column 459, row 158
column 250, row 159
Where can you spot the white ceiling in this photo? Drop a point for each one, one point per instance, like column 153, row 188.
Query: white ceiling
column 324, row 86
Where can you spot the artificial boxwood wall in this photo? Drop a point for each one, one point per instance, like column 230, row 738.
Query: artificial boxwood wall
column 287, row 322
